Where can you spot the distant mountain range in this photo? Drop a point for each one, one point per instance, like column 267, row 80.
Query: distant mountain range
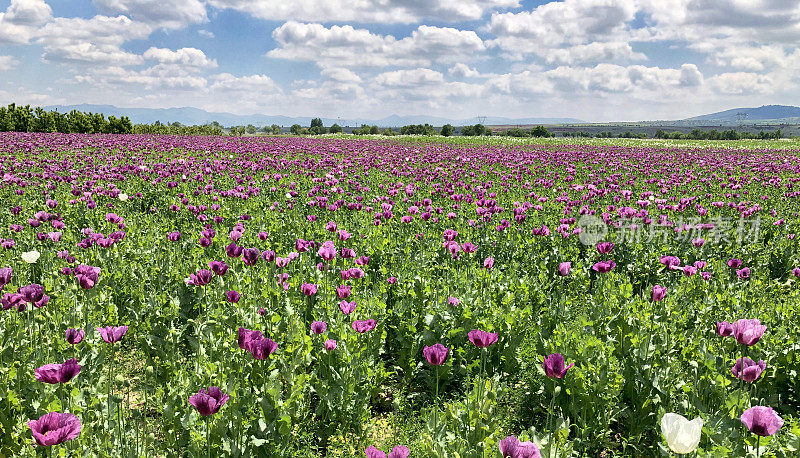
column 766, row 112
column 189, row 116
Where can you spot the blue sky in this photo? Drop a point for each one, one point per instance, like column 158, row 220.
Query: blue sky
column 598, row 60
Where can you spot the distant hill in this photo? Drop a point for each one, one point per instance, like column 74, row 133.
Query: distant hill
column 190, row 115
column 766, row 112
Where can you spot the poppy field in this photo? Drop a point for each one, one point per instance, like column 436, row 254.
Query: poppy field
column 302, row 297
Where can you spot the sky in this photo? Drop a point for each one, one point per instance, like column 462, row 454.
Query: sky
column 597, row 60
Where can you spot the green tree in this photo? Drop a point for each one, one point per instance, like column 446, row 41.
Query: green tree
column 296, row 129
column 447, row 130
column 335, row 129
column 251, row 129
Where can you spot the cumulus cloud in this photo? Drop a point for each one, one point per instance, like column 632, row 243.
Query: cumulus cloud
column 169, row 14
column 379, row 11
column 22, row 18
column 742, row 83
column 8, row 63
column 187, row 57
column 91, row 41
column 346, row 46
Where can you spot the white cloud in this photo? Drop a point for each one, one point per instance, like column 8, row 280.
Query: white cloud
column 381, row 11
column 592, row 53
column 22, row 18
column 742, row 83
column 346, row 46
column 169, row 14
column 461, row 70
column 341, row 75
column 152, row 78
column 257, row 84
column 205, row 33
column 610, row 78
column 92, row 41
column 187, row 57
column 409, row 78
column 8, row 63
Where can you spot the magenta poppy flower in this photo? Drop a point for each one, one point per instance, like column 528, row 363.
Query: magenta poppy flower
column 233, row 250
column 327, row 251
column 689, row 270
column 218, row 267
column 488, row 263
column 400, row 451
column 318, row 327
column 452, row 301
column 330, row 345
column 55, row 428
column 436, row 354
column 564, row 268
column 743, row 272
column 58, row 373
column 511, row 447
column 208, row 402
column 735, row 263
column 658, row 293
column 347, row 307
column 555, row 367
column 5, row 276
column 246, row 335
column 698, row 242
column 268, row 255
column 392, row 280
column 87, row 276
column 354, row 272
column 482, row 339
column 173, row 236
column 670, row 261
column 762, row 421
column 343, row 291
column 309, row 289
column 752, row 370
column 330, row 226
column 604, row 247
column 261, row 348
column 111, row 334
column 604, row 266
column 748, row 332
column 796, row 271
column 362, row 326
column 75, row 336
column 724, row 329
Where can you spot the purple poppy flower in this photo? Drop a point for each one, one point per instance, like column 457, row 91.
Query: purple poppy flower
column 436, row 354
column 735, row 263
column 58, row 373
column 689, row 270
column 261, row 348
column 232, row 296
column 246, row 335
column 55, row 428
column 327, row 251
column 373, row 452
column 724, row 329
column 743, row 272
column 554, row 366
column 75, row 336
column 762, row 421
column 201, row 278
column 399, row 451
column 658, row 293
column 309, row 289
column 250, row 256
column 233, row 250
column 347, row 307
column 796, row 271
column 511, row 447
column 111, row 334
column 670, row 261
column 752, row 370
column 268, row 255
column 392, row 280
column 453, row 301
column 354, row 272
column 208, row 402
column 482, row 339
column 32, row 293
column 330, row 345
column 748, row 332
column 173, row 236
column 363, row 326
column 318, row 327
column 5, row 276
column 604, row 266
column 564, row 268
column 218, row 267
column 14, row 300
column 87, row 276
column 343, row 291
column 488, row 263
column 604, row 247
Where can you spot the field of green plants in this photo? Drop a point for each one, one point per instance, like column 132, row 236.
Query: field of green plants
column 295, row 297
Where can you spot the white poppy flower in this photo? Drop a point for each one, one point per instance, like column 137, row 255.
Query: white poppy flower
column 123, row 197
column 682, row 435
column 30, row 256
